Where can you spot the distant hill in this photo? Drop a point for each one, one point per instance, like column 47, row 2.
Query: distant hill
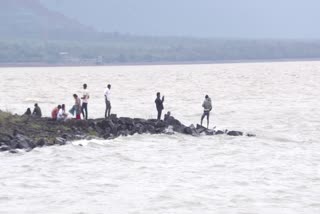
column 32, row 34
column 30, row 19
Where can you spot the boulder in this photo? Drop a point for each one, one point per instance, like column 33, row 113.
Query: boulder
column 234, row 133
column 40, row 142
column 219, row 132
column 4, row 148
column 201, row 129
column 24, row 142
column 126, row 121
column 209, row 132
column 60, row 141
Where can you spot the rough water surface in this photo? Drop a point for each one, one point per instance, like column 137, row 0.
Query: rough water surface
column 275, row 172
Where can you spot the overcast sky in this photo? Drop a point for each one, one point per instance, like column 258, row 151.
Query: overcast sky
column 200, row 18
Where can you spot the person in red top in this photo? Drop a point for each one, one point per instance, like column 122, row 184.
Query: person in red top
column 55, row 111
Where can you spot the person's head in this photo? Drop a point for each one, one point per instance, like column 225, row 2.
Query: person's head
column 28, row 110
column 168, row 113
column 59, row 106
column 109, row 86
column 63, row 106
column 36, row 105
column 85, row 86
column 158, row 94
column 206, row 96
column 75, row 96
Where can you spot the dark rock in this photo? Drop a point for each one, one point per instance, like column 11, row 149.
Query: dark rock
column 4, row 148
column 201, row 129
column 5, row 137
column 234, row 133
column 126, row 121
column 188, row 130
column 24, row 142
column 27, row 131
column 219, row 132
column 160, row 124
column 251, row 135
column 50, row 143
column 40, row 143
column 209, row 132
column 113, row 117
column 151, row 129
column 139, row 120
column 13, row 151
column 60, row 141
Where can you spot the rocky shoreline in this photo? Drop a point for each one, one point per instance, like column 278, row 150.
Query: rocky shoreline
column 26, row 133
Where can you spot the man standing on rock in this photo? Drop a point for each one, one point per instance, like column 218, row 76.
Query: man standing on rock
column 207, row 107
column 85, row 97
column 159, row 105
column 107, row 95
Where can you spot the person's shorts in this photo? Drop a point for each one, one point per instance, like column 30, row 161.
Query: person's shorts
column 206, row 113
column 108, row 104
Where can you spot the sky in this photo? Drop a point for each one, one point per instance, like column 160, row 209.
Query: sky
column 288, row 19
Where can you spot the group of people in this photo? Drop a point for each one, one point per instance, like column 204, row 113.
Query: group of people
column 59, row 112
column 207, row 107
column 36, row 111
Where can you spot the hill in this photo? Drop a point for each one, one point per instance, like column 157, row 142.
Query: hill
column 30, row 19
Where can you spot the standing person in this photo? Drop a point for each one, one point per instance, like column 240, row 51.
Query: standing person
column 36, row 111
column 85, row 97
column 107, row 95
column 55, row 111
column 159, row 105
column 207, row 107
column 76, row 108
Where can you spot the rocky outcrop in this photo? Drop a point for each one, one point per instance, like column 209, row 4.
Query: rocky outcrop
column 23, row 132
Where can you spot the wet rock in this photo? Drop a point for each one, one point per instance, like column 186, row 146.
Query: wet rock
column 60, row 141
column 188, row 130
column 139, row 121
column 250, row 135
column 126, row 121
column 201, row 129
column 4, row 148
column 24, row 142
column 41, row 142
column 160, row 124
column 209, row 132
column 50, row 143
column 234, row 133
column 169, row 130
column 113, row 117
column 5, row 138
column 219, row 132
column 13, row 151
column 151, row 129
column 26, row 133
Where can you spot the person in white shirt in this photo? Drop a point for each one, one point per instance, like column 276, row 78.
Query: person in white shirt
column 85, row 97
column 107, row 94
column 62, row 115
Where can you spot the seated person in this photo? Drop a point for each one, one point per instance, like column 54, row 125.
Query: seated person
column 37, row 111
column 28, row 112
column 62, row 115
column 55, row 111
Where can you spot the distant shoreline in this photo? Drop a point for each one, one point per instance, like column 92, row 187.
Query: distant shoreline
column 34, row 64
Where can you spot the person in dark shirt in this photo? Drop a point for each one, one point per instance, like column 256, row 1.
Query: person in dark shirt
column 159, row 105
column 28, row 112
column 36, row 111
